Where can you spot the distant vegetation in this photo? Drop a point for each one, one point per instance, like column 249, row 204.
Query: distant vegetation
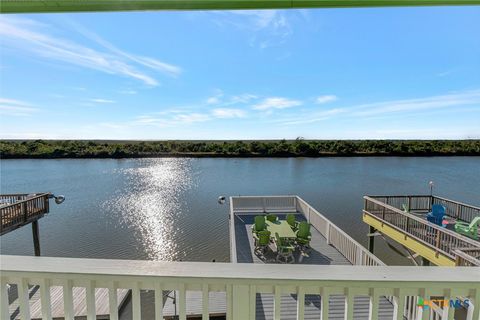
column 281, row 148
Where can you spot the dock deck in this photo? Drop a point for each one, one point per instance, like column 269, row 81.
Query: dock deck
column 321, row 252
column 440, row 246
column 17, row 210
column 339, row 249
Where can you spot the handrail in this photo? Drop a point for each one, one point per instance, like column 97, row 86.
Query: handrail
column 241, row 282
column 463, row 258
column 439, row 233
column 19, row 213
column 423, row 203
column 36, row 196
column 457, row 202
column 353, row 257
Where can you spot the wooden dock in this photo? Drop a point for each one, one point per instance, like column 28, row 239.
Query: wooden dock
column 438, row 245
column 17, row 210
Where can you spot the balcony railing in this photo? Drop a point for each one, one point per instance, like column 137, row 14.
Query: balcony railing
column 241, row 282
column 423, row 203
column 441, row 240
column 17, row 210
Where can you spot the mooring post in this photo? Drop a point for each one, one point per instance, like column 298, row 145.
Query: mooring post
column 425, row 262
column 36, row 237
column 371, row 238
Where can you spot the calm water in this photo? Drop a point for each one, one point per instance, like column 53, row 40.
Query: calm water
column 166, row 209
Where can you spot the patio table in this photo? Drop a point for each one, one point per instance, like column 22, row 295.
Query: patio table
column 282, row 228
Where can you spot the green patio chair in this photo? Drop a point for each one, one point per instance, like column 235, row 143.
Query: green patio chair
column 261, row 240
column 469, row 230
column 284, row 250
column 272, row 217
column 292, row 222
column 259, row 224
column 303, row 234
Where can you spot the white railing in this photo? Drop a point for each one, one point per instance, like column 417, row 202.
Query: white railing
column 431, row 235
column 241, row 282
column 346, row 245
column 255, row 204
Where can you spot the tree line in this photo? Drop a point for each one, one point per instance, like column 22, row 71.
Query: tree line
column 281, row 148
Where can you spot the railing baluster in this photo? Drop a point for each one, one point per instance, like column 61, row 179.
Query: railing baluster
column 324, row 303
column 158, row 301
column 182, row 303
column 90, row 299
column 349, row 301
column 23, row 296
column 205, row 302
column 4, row 314
column 68, row 300
column 276, row 303
column 374, row 301
column 230, row 301
column 300, row 303
column 113, row 301
column 136, row 307
column 253, row 301
column 399, row 305
column 447, row 311
column 45, row 299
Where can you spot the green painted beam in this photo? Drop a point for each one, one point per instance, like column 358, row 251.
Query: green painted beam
column 39, row 6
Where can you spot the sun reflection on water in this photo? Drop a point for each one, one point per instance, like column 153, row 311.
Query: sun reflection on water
column 151, row 202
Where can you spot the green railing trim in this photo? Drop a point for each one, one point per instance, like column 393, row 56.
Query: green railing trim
column 39, row 6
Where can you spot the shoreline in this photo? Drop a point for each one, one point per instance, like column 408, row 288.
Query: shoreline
column 240, row 156
column 91, row 149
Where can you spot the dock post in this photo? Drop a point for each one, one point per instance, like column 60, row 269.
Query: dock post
column 425, row 262
column 36, row 237
column 371, row 239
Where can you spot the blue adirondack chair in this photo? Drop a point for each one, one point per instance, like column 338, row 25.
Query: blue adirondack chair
column 437, row 214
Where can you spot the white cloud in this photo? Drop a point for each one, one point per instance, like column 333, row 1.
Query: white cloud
column 266, row 28
column 243, row 98
column 128, row 91
column 226, row 113
column 191, row 117
column 325, row 99
column 28, row 35
column 213, row 100
column 16, row 108
column 102, row 101
column 276, row 103
column 420, row 104
column 386, row 108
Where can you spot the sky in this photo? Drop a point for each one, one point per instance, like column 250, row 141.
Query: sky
column 376, row 73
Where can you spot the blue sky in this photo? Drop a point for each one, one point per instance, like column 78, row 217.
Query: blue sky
column 326, row 73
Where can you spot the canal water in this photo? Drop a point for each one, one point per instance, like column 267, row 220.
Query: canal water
column 167, row 209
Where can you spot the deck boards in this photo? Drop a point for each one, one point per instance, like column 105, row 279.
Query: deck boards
column 321, row 253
